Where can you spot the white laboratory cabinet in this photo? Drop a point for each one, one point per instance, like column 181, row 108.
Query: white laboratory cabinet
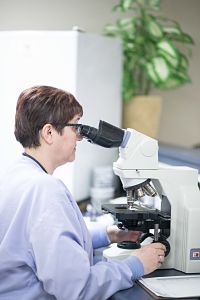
column 87, row 65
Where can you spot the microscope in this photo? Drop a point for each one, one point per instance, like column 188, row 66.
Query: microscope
column 175, row 221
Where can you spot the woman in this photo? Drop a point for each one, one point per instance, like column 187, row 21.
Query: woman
column 46, row 251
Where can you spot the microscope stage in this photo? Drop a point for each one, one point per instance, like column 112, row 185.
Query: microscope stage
column 138, row 219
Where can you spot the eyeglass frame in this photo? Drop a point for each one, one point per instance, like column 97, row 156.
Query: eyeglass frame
column 76, row 125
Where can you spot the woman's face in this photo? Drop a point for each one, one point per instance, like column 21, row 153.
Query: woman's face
column 65, row 146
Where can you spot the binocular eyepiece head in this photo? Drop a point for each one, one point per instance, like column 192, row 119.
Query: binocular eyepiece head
column 107, row 135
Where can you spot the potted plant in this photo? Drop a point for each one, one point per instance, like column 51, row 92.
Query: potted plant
column 155, row 56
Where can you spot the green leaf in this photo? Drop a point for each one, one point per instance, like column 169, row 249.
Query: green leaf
column 117, row 8
column 124, row 23
column 161, row 68
column 127, row 95
column 127, row 90
column 175, row 80
column 154, row 4
column 151, row 72
column 175, row 33
column 184, row 38
column 127, row 4
column 126, row 29
column 154, row 28
column 183, row 76
column 168, row 47
column 172, row 60
column 184, row 64
column 129, row 46
column 110, row 30
column 171, row 83
column 149, row 4
column 172, row 30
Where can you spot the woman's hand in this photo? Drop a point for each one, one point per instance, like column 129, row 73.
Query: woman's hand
column 117, row 235
column 151, row 256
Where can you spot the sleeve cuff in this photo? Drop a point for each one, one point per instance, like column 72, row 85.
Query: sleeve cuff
column 136, row 266
column 99, row 235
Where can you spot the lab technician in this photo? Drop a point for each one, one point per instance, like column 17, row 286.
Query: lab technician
column 46, row 251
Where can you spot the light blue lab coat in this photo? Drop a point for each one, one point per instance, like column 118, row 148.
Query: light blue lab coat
column 45, row 248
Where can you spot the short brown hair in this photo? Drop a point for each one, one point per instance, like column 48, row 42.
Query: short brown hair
column 39, row 105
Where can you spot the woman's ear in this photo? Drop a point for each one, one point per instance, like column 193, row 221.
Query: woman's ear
column 46, row 134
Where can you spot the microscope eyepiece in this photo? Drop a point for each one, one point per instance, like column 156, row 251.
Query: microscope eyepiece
column 88, row 132
column 106, row 135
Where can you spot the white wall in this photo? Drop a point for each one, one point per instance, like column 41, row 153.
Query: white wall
column 180, row 122
column 55, row 14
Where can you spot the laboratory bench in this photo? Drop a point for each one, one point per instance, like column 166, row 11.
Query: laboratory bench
column 138, row 293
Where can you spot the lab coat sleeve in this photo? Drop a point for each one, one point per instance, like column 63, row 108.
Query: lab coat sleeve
column 99, row 235
column 62, row 262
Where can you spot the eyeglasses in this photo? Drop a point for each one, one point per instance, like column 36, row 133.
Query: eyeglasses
column 75, row 126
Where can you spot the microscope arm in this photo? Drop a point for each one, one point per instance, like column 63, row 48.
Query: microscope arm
column 139, row 153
